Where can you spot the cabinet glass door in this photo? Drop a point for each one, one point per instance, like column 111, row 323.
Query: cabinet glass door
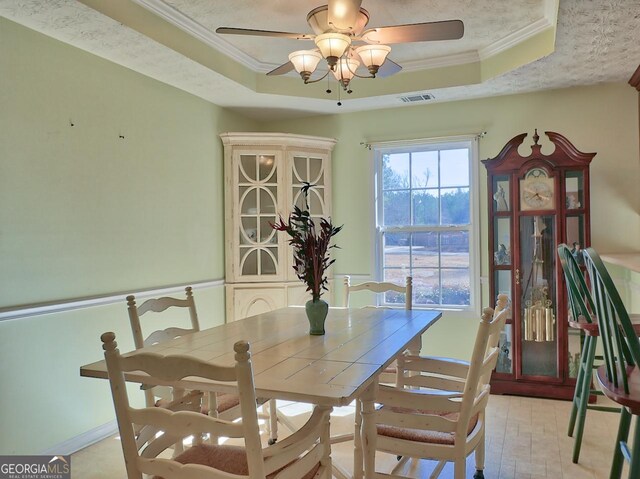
column 307, row 169
column 574, row 190
column 538, row 307
column 258, row 201
column 502, row 281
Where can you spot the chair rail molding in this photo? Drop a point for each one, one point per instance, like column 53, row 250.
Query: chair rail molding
column 37, row 309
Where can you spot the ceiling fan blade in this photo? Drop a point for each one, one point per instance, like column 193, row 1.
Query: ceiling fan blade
column 282, row 69
column 388, row 68
column 343, row 14
column 263, row 33
column 417, row 32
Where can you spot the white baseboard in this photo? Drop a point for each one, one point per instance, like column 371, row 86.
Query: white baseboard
column 83, row 440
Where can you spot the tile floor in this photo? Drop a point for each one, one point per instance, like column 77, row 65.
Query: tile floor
column 526, row 439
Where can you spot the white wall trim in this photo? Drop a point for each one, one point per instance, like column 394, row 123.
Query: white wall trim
column 198, row 31
column 29, row 310
column 83, row 440
column 515, row 38
column 441, row 62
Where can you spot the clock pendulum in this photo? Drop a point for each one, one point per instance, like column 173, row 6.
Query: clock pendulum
column 539, row 320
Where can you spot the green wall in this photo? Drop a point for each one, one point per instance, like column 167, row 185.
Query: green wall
column 90, row 211
column 84, row 212
column 602, row 119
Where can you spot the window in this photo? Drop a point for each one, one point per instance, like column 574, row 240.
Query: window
column 427, row 222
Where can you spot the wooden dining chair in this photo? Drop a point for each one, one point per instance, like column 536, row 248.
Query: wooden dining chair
column 224, row 406
column 581, row 318
column 619, row 376
column 403, row 293
column 304, row 454
column 441, row 412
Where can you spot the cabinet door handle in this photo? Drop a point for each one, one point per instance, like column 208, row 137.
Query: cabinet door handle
column 517, row 276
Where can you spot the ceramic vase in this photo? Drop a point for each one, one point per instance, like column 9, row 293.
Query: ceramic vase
column 316, row 313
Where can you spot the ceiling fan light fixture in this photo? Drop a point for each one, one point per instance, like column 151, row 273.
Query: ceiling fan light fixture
column 373, row 56
column 305, row 62
column 345, row 70
column 332, row 46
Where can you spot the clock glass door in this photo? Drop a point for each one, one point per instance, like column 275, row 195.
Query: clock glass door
column 538, row 309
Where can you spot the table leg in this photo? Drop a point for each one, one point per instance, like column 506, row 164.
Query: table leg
column 415, row 346
column 414, row 349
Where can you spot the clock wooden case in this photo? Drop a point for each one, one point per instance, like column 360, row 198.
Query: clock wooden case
column 535, row 203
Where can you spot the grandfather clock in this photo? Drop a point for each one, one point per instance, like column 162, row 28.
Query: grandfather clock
column 536, row 202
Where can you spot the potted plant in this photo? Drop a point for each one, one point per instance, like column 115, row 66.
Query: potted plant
column 311, row 243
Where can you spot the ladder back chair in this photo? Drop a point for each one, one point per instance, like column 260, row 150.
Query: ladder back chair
column 304, row 454
column 225, row 406
column 582, row 318
column 442, row 413
column 619, row 376
column 379, row 287
column 389, row 375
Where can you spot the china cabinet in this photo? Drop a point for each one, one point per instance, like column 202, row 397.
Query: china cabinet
column 535, row 203
column 264, row 174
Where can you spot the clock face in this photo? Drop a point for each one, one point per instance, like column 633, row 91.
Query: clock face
column 536, row 193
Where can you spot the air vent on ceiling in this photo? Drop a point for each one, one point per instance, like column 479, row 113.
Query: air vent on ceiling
column 418, row 97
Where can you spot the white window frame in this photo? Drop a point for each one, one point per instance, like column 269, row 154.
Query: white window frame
column 471, row 142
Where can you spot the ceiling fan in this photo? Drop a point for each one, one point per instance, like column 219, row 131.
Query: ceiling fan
column 338, row 28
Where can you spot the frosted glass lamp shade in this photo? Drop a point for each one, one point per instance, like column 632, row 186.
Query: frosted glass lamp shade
column 373, row 56
column 332, row 46
column 305, row 62
column 345, row 70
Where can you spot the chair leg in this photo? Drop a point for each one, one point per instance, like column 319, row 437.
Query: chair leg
column 357, row 443
column 369, row 432
column 273, row 422
column 623, row 435
column 460, row 469
column 480, row 458
column 437, row 470
column 583, row 388
column 634, row 470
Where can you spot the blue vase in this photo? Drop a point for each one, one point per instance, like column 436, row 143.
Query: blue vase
column 316, row 314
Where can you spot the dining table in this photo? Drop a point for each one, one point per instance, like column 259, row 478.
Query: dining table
column 288, row 363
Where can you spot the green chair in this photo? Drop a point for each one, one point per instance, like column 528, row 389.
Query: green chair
column 619, row 377
column 581, row 309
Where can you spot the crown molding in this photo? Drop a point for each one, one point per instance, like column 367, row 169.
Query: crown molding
column 440, row 62
column 195, row 29
column 514, row 38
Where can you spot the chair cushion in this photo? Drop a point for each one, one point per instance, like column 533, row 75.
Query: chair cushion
column 230, row 459
column 422, row 435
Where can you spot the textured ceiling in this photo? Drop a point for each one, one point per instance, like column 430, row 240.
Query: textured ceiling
column 596, row 41
column 485, row 23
